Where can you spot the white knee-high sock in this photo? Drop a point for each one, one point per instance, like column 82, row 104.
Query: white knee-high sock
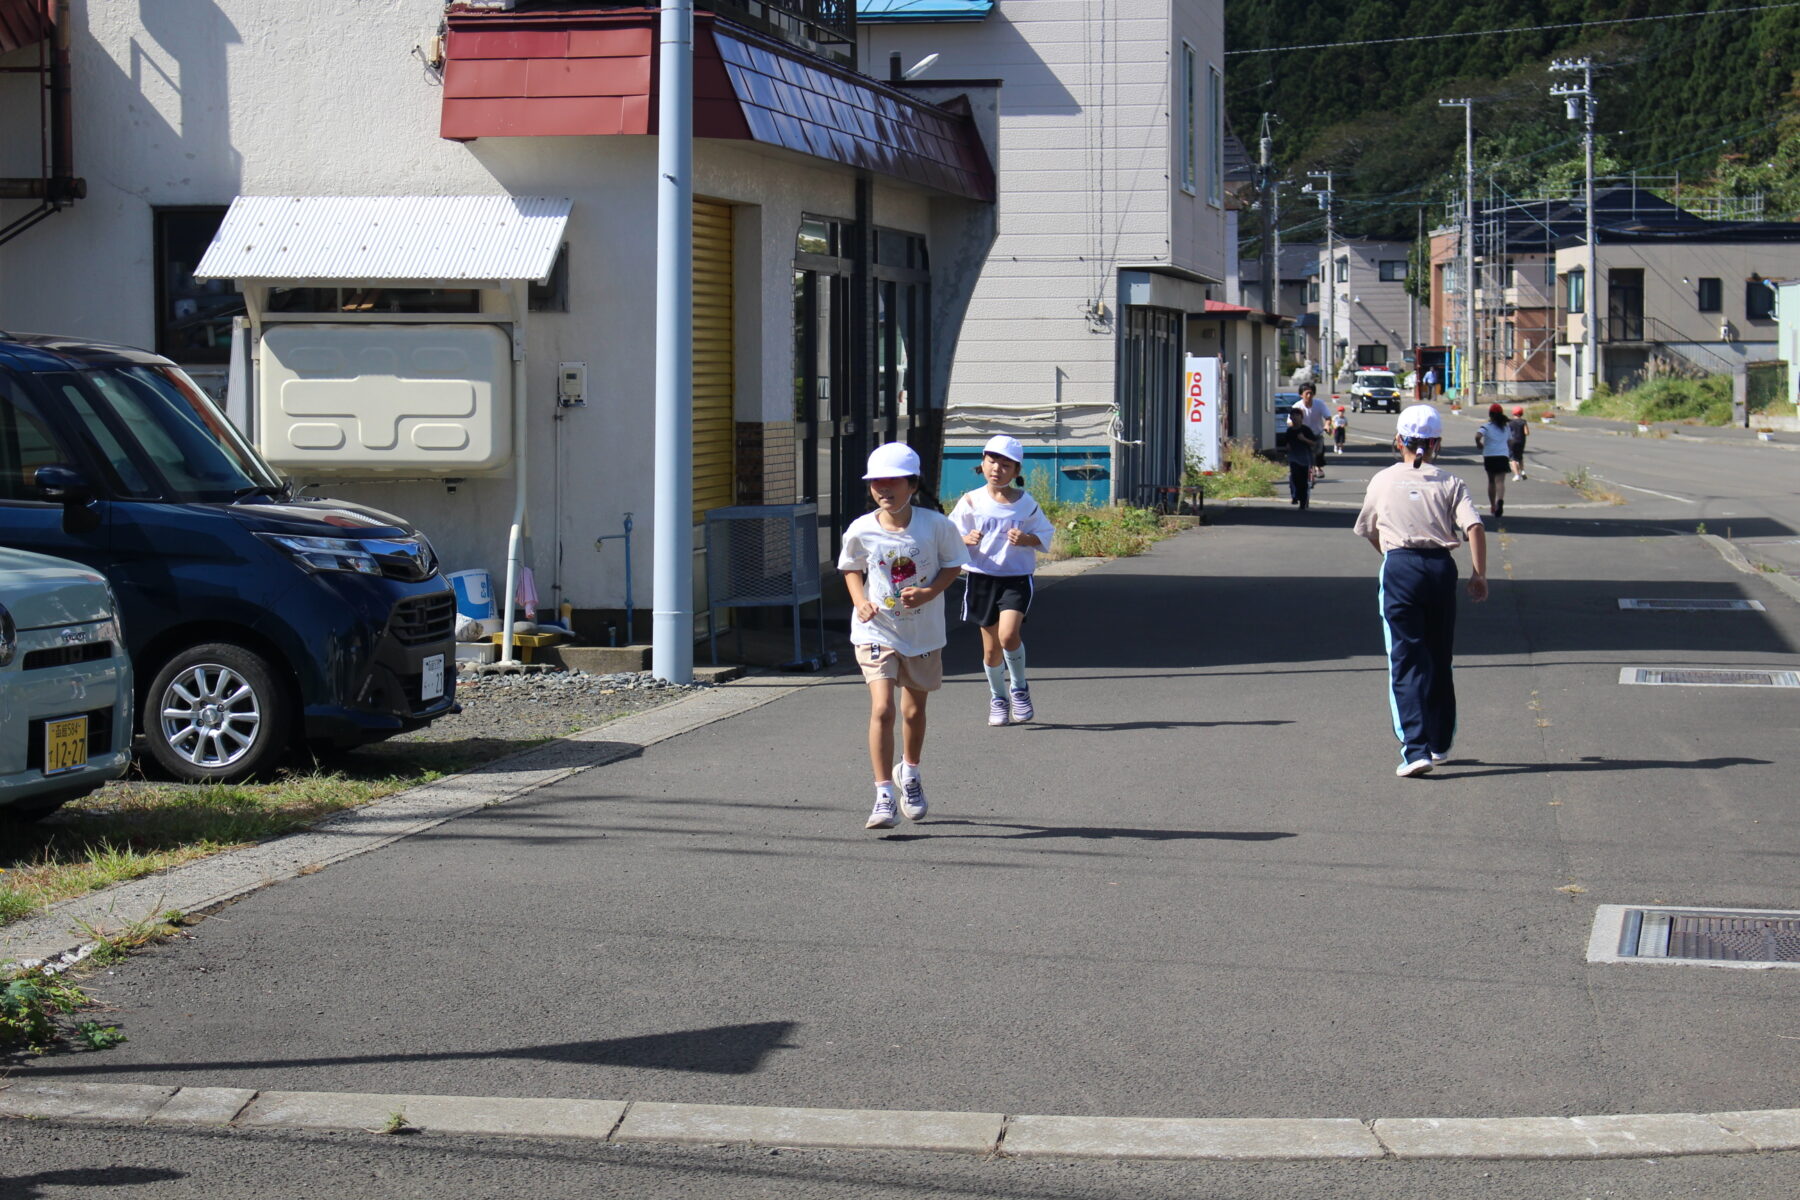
column 996, row 678
column 1015, row 665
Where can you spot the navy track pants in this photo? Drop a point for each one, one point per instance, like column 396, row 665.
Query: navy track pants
column 1418, row 617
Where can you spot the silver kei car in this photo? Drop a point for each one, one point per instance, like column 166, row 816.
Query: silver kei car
column 65, row 684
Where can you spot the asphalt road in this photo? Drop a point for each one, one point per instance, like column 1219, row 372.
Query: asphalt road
column 1193, row 888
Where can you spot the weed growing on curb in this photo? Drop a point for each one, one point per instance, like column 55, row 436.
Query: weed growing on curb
column 1588, row 488
column 30, row 1003
column 1700, row 529
column 396, row 1123
column 1091, row 530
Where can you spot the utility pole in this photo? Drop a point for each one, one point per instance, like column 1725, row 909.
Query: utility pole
column 1467, row 390
column 672, row 630
column 1329, row 277
column 1265, row 181
column 1578, row 101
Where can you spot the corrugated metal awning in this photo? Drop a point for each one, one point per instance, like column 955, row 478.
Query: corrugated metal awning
column 321, row 239
column 875, row 12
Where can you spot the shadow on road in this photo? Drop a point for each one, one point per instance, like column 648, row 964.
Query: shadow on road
column 718, row 1050
column 1094, row 832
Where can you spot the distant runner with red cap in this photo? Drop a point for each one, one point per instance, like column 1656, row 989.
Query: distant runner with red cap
column 1517, row 430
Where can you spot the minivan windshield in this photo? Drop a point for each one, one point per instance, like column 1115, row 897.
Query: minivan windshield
column 1371, row 379
column 161, row 437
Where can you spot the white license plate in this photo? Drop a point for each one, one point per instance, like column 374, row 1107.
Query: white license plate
column 431, row 677
column 65, row 745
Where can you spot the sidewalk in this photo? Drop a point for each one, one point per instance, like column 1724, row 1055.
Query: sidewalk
column 1194, row 890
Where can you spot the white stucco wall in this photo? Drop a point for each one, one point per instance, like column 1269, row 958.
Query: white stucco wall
column 192, row 102
column 1086, row 182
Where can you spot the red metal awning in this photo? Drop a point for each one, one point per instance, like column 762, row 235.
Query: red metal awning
column 548, row 74
column 25, row 23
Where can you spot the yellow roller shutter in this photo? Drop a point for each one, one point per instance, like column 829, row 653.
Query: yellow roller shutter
column 714, row 432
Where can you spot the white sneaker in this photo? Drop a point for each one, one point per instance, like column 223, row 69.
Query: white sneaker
column 912, row 793
column 1413, row 769
column 882, row 816
column 1438, row 760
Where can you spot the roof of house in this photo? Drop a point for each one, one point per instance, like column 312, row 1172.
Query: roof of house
column 878, row 12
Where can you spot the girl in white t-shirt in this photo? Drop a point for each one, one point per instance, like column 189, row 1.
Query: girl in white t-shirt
column 897, row 563
column 1004, row 529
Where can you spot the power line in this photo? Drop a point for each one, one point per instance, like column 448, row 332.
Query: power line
column 1435, row 37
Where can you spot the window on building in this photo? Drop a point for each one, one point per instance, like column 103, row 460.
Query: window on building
column 1759, row 299
column 1709, row 296
column 1312, row 291
column 1508, row 340
column 1577, row 295
column 1215, row 136
column 1343, row 270
column 193, row 319
column 1372, row 354
column 1190, row 118
column 373, row 300
column 1393, row 270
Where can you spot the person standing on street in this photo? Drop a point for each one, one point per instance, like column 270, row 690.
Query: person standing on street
column 1517, row 430
column 1313, row 414
column 1430, row 383
column 1302, row 452
column 1340, row 429
column 897, row 562
column 1004, row 528
column 1415, row 514
column 1493, row 439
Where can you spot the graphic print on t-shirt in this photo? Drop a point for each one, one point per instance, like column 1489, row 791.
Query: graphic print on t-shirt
column 897, row 565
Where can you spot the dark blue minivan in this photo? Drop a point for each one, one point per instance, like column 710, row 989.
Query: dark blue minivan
column 256, row 620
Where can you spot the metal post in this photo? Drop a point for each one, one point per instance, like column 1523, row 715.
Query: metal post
column 1329, row 280
column 1582, row 95
column 672, row 630
column 1466, row 391
column 1271, row 260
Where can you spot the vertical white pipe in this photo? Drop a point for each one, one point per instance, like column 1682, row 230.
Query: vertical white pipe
column 521, row 429
column 672, row 625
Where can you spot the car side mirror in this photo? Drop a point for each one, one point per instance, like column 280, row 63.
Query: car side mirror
column 59, row 482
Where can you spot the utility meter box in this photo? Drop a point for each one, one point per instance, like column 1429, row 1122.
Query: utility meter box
column 370, row 399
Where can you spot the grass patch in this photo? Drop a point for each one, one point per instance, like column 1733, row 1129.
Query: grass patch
column 1095, row 530
column 1248, row 473
column 1589, row 488
column 136, row 828
column 32, row 1003
column 1704, row 401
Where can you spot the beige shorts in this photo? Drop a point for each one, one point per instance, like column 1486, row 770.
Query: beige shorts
column 920, row 672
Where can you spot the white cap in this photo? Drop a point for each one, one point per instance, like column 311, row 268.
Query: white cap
column 1005, row 447
column 1418, row 421
column 895, row 460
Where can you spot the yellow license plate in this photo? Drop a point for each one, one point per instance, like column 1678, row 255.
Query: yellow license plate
column 65, row 745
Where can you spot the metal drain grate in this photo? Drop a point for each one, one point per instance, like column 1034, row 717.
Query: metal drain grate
column 1708, row 677
column 1714, row 937
column 1700, row 605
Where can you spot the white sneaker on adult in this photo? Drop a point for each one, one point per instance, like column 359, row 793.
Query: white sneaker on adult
column 1438, row 760
column 1413, row 769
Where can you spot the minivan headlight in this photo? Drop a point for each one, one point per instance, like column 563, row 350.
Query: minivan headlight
column 325, row 554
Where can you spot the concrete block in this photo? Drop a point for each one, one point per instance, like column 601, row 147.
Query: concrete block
column 203, row 1106
column 860, row 1129
column 601, row 660
column 1249, row 1138
column 436, row 1114
column 1647, row 1136
column 1769, row 1129
column 721, row 674
column 476, row 652
column 83, row 1101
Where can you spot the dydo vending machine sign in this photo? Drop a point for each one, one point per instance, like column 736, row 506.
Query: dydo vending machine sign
column 1201, row 403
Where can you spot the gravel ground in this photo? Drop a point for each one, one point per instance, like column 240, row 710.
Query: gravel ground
column 544, row 704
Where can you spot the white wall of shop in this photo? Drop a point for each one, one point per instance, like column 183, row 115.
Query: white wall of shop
column 193, row 102
column 1087, row 181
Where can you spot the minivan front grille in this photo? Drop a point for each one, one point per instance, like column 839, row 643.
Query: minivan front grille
column 418, row 620
column 65, row 656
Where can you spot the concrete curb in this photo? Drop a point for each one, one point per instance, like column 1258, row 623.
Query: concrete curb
column 993, row 1135
column 1731, row 554
column 66, row 930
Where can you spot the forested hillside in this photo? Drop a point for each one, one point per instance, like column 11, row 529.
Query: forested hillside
column 1710, row 98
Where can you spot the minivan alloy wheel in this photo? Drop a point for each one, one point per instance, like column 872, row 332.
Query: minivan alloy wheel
column 216, row 713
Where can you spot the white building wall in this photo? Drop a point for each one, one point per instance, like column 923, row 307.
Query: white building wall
column 1086, row 180
column 192, row 102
